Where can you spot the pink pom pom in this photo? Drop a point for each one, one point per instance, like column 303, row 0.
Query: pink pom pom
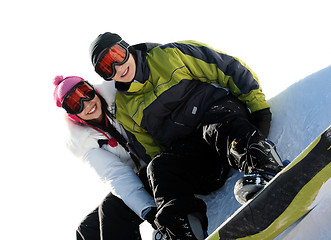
column 57, row 80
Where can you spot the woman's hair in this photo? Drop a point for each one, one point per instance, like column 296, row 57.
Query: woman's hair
column 114, row 132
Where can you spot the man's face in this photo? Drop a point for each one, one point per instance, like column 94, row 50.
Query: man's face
column 126, row 71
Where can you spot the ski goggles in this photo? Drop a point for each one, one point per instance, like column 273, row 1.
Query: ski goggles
column 110, row 57
column 73, row 100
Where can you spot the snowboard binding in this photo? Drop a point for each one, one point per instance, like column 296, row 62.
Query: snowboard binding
column 259, row 160
column 247, row 187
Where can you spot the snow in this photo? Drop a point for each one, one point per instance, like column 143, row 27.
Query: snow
column 316, row 225
column 300, row 114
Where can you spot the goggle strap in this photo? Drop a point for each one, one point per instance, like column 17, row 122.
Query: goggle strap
column 124, row 44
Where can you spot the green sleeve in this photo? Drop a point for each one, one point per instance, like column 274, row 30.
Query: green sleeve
column 210, row 65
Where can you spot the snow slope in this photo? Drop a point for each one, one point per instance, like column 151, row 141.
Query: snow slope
column 300, row 114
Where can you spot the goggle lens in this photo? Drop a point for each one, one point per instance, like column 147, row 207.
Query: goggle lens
column 73, row 101
column 116, row 55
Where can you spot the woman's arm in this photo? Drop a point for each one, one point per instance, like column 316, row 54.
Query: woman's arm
column 124, row 183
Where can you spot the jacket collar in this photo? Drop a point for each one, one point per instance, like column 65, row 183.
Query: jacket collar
column 142, row 73
column 142, row 69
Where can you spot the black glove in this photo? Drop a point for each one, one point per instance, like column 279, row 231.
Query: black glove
column 150, row 216
column 261, row 119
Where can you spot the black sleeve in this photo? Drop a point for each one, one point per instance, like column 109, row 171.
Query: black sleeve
column 261, row 119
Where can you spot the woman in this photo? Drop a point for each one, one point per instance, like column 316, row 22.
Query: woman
column 99, row 140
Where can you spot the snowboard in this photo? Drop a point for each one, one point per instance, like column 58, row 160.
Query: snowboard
column 288, row 197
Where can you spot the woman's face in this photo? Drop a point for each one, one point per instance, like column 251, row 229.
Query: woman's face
column 125, row 72
column 92, row 110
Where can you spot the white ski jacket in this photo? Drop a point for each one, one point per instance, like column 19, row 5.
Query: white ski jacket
column 113, row 164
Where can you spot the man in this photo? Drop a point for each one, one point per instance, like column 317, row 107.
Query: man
column 187, row 106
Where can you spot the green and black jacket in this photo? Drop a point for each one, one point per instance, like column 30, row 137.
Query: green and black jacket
column 175, row 84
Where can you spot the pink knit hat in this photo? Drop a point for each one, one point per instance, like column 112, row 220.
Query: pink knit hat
column 63, row 86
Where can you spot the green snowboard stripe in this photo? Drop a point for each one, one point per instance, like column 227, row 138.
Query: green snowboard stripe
column 301, row 205
column 276, row 208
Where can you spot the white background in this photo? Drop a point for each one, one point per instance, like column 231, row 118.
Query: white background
column 45, row 191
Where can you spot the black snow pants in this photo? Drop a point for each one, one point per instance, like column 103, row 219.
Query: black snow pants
column 112, row 219
column 226, row 121
column 198, row 164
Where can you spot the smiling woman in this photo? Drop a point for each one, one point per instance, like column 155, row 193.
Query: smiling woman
column 81, row 99
column 99, row 139
column 92, row 110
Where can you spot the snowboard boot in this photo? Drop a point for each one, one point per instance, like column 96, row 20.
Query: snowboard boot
column 188, row 227
column 195, row 223
column 259, row 160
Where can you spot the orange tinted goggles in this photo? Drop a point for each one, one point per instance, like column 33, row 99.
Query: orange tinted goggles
column 110, row 57
column 73, row 100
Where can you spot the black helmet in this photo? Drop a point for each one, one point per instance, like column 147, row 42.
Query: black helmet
column 102, row 42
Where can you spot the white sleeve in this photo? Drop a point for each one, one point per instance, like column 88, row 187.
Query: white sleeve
column 123, row 181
